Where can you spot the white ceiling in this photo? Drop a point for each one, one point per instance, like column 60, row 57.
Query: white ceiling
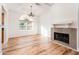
column 24, row 8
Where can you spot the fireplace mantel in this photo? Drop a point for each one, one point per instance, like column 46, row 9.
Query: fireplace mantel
column 64, row 26
column 67, row 23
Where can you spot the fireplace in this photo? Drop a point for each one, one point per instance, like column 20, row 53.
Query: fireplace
column 61, row 37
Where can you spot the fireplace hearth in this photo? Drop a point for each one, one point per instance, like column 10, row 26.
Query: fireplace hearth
column 61, row 37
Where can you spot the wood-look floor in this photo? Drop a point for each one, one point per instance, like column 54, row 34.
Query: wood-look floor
column 35, row 45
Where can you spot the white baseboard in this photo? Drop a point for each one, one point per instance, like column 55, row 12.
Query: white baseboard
column 22, row 36
column 66, row 46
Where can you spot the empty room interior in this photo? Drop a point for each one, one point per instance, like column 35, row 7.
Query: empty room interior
column 39, row 29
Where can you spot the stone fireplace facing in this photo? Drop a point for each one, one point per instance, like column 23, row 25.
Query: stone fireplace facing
column 65, row 36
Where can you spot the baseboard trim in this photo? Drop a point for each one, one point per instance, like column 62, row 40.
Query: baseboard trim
column 66, row 46
column 22, row 36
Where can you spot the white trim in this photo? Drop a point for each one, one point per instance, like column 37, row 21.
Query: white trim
column 65, row 46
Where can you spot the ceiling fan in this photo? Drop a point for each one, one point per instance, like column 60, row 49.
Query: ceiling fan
column 38, row 4
column 31, row 13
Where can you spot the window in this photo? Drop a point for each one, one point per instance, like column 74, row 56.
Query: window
column 25, row 24
column 29, row 25
column 22, row 25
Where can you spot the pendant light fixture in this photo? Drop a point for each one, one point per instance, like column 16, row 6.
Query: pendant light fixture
column 31, row 13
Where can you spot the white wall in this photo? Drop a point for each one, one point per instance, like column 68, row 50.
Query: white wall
column 78, row 31
column 13, row 27
column 58, row 13
column 14, row 13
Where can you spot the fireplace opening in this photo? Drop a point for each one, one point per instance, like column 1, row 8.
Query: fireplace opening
column 61, row 37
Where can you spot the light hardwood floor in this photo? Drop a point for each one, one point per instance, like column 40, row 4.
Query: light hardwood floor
column 35, row 45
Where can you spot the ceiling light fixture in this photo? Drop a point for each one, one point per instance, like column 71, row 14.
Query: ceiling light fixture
column 31, row 13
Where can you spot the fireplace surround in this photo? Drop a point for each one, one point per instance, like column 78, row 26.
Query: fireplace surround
column 65, row 36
